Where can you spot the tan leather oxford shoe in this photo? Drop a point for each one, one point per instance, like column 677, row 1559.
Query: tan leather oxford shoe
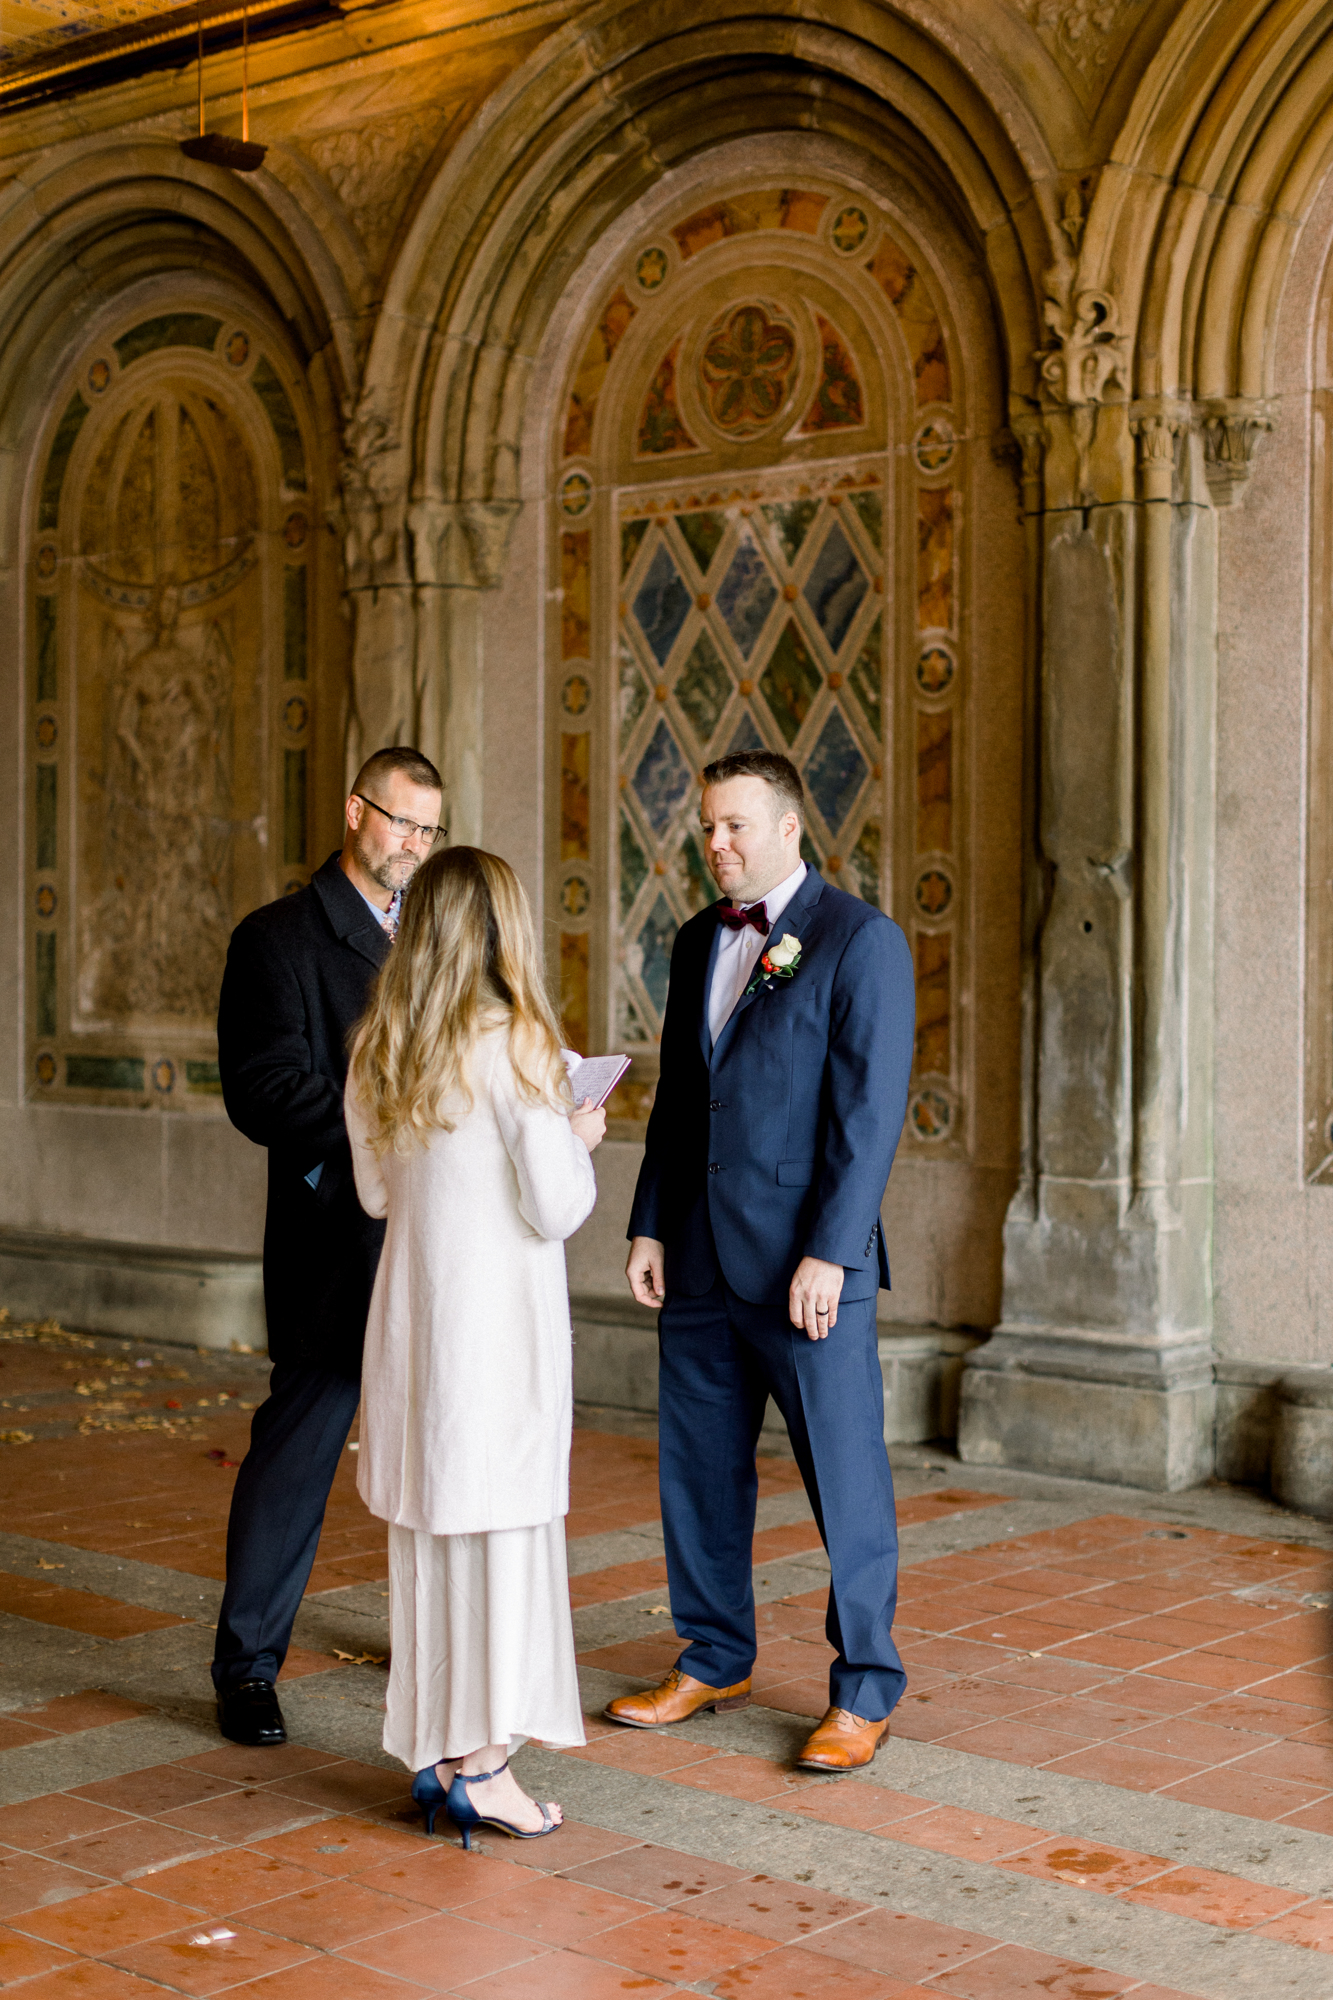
column 676, row 1700
column 843, row 1742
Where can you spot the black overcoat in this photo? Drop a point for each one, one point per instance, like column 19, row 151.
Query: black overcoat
column 299, row 973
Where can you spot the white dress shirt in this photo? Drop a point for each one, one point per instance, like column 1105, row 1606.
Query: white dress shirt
column 738, row 954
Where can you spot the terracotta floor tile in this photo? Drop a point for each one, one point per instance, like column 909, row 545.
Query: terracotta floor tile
column 1213, row 1898
column 553, row 1910
column 1311, row 1925
column 784, row 1911
column 1053, row 1674
column 891, row 1942
column 68, row 1714
column 1137, row 1770
column 1175, row 1630
column 563, row 1975
column 992, row 1698
column 342, row 1845
column 79, row 1610
column 1317, row 1818
column 182, row 1963
column 1108, row 1649
column 1185, row 1736
column 347, row 1787
column 1304, row 1688
column 1086, row 1865
column 334, row 1914
column 808, row 1698
column 969, row 1836
column 1208, row 1670
column 1087, row 1717
column 740, row 1777
column 328, row 1978
column 246, row 1766
column 931, row 1718
column 442, row 1877
column 30, row 1882
column 647, row 1751
column 781, row 1659
column 1014, row 1973
column 850, row 1802
column 83, row 1980
column 656, row 1875
column 442, row 1952
column 242, row 1816
column 572, row 1846
column 1304, row 1762
column 1231, row 1790
column 13, row 1735
column 959, row 1656
column 24, row 1957
column 105, row 1919
column 1017, row 1742
column 1258, row 1711
column 1018, row 1633
column 120, row 1852
column 1150, row 1692
column 793, row 1970
column 676, row 1945
column 44, row 1821
column 220, row 1884
column 162, row 1788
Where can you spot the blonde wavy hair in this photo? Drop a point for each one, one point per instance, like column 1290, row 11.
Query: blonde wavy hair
column 466, row 959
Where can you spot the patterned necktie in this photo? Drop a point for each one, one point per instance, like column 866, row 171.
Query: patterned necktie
column 390, row 918
column 736, row 920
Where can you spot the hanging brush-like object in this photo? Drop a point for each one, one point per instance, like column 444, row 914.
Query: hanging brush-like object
column 242, row 155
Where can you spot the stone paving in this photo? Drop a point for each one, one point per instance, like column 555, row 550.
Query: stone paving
column 1112, row 1772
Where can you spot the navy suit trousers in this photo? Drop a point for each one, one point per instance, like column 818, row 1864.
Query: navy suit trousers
column 721, row 1359
column 277, row 1511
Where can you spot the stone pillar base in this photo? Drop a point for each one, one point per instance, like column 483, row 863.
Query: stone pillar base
column 1303, row 1442
column 189, row 1298
column 1156, row 1434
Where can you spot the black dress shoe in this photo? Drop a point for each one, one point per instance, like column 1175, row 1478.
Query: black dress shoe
column 249, row 1713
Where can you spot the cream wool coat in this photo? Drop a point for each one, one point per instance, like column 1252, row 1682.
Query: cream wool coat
column 467, row 1384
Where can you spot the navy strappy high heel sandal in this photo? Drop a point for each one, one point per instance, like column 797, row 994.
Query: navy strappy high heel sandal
column 429, row 1794
column 465, row 1815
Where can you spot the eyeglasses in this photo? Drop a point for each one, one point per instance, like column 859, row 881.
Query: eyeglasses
column 404, row 828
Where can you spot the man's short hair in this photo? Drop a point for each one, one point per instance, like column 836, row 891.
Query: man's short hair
column 775, row 770
column 418, row 770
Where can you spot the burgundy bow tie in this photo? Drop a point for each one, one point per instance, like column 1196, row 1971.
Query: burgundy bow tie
column 736, row 920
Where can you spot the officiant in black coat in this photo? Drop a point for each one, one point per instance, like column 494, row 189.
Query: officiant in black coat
column 299, row 973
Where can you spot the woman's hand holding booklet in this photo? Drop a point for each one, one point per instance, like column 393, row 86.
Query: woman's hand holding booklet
column 595, row 1078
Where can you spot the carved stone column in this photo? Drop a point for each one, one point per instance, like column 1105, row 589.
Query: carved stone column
column 1102, row 1363
column 415, row 573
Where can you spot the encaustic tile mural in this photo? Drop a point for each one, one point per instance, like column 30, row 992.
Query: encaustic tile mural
column 758, row 537
column 170, row 705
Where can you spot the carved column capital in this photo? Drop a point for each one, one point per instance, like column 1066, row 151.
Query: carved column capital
column 1232, row 427
column 1090, row 352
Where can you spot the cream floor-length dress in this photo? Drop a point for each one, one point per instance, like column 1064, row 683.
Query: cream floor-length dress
column 466, row 1414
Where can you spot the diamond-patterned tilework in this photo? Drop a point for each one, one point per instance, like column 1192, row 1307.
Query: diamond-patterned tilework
column 790, row 521
column 631, row 540
column 747, row 737
column 746, row 596
column 704, row 688
column 662, row 604
column 790, row 681
column 655, row 942
column 633, row 693
column 864, row 860
column 695, row 883
column 633, row 866
column 662, row 779
column 702, row 534
column 835, row 771
column 867, row 677
column 871, row 509
column 809, row 852
column 835, row 586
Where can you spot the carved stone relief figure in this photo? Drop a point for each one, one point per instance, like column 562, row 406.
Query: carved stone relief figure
column 170, row 730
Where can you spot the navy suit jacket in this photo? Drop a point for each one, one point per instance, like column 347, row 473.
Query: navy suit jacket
column 775, row 1142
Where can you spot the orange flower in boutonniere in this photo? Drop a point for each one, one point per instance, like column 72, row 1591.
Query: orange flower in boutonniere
column 780, row 961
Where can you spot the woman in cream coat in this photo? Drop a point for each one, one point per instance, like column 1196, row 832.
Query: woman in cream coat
column 464, row 1137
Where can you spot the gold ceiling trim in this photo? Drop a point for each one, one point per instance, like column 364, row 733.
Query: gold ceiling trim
column 172, row 25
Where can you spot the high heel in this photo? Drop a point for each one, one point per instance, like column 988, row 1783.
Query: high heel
column 465, row 1815
column 429, row 1794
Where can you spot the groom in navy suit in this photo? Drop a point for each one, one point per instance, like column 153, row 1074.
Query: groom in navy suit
column 786, row 1052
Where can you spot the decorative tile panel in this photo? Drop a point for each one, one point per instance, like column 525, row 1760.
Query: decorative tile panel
column 661, row 604
column 835, row 587
column 746, row 596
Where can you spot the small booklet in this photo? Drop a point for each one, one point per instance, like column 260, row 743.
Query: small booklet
column 596, row 1077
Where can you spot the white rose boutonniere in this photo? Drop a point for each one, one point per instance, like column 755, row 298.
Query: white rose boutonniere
column 780, row 961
